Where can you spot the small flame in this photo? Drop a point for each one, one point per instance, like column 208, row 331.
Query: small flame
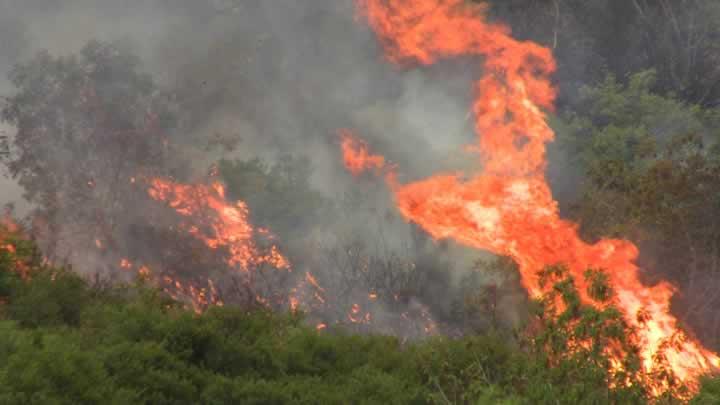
column 356, row 156
column 358, row 159
column 231, row 228
column 11, row 231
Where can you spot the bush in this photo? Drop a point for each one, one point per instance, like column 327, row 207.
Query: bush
column 64, row 341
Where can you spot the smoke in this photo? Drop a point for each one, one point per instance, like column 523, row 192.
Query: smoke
column 278, row 78
column 283, row 76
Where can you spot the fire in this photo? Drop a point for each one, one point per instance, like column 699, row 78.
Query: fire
column 307, row 295
column 144, row 271
column 219, row 224
column 311, row 279
column 356, row 316
column 229, row 223
column 294, row 304
column 508, row 208
column 356, row 155
column 10, row 233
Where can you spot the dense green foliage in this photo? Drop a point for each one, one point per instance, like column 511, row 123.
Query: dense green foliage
column 650, row 173
column 280, row 196
column 638, row 123
column 64, row 340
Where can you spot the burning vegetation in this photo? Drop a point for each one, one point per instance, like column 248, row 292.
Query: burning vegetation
column 508, row 208
column 242, row 282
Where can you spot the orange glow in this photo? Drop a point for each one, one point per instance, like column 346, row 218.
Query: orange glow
column 10, row 232
column 294, row 304
column 229, row 223
column 356, row 156
column 219, row 224
column 311, row 279
column 508, row 209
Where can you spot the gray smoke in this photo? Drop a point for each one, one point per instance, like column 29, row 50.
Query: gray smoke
column 280, row 77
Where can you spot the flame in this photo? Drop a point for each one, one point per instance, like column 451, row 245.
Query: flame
column 197, row 298
column 230, row 225
column 219, row 224
column 10, row 233
column 294, row 304
column 307, row 294
column 311, row 279
column 144, row 271
column 508, row 208
column 356, row 156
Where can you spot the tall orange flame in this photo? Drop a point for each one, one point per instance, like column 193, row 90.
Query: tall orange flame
column 508, row 208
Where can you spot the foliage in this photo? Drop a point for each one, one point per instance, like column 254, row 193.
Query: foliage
column 646, row 143
column 87, row 125
column 279, row 195
column 490, row 298
column 651, row 174
column 709, row 394
column 130, row 344
column 572, row 335
column 592, row 38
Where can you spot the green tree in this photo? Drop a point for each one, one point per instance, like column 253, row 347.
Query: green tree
column 651, row 175
column 280, row 195
column 129, row 344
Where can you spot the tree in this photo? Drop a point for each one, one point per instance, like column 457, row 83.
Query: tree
column 133, row 344
column 678, row 39
column 88, row 126
column 280, row 196
column 652, row 175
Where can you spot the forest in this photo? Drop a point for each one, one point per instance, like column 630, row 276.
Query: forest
column 360, row 202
